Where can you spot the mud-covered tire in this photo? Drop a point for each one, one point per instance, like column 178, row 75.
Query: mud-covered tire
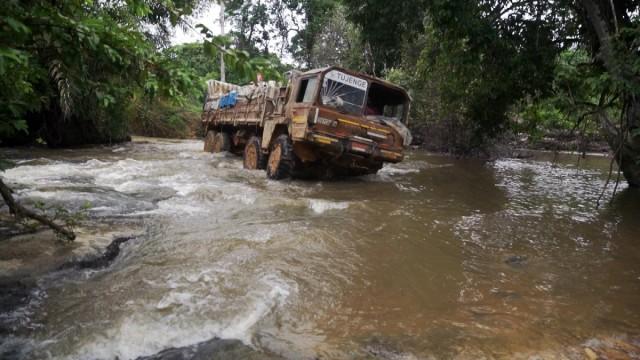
column 253, row 158
column 222, row 142
column 281, row 158
column 209, row 141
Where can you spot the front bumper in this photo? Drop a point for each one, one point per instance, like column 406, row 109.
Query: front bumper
column 356, row 146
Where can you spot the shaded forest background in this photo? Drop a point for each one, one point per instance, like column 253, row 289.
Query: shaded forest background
column 83, row 71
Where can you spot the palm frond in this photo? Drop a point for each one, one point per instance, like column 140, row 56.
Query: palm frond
column 58, row 75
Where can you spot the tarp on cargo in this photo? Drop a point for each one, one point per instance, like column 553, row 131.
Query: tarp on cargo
column 218, row 89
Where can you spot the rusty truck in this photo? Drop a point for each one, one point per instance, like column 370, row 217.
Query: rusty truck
column 323, row 123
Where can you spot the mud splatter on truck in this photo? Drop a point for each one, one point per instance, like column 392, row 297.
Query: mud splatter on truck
column 324, row 122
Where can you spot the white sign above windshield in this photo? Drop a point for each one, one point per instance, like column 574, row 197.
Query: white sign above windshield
column 343, row 92
column 347, row 79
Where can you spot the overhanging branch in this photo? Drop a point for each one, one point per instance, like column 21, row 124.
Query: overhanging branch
column 20, row 211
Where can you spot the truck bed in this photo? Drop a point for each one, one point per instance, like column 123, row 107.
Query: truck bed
column 250, row 104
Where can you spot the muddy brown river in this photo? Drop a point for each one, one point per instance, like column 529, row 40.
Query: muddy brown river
column 432, row 258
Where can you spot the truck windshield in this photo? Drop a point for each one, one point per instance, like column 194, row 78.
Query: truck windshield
column 385, row 103
column 344, row 92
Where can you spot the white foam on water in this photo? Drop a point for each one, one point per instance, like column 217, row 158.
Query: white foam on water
column 174, row 298
column 263, row 304
column 230, row 165
column 132, row 186
column 246, row 198
column 175, row 207
column 202, row 276
column 407, row 167
column 182, row 184
column 260, row 235
column 321, row 206
column 138, row 336
column 407, row 188
column 187, row 146
column 392, row 170
column 143, row 335
column 57, row 173
column 95, row 162
column 119, row 175
column 199, row 155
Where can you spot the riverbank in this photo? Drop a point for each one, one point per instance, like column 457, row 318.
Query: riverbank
column 443, row 139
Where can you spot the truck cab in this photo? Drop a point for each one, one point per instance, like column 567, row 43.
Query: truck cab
column 350, row 122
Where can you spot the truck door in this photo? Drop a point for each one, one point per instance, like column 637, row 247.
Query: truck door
column 305, row 96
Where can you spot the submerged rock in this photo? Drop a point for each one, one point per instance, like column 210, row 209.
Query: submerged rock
column 13, row 294
column 516, row 261
column 110, row 253
column 212, row 349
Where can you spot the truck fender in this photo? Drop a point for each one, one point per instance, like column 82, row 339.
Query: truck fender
column 267, row 133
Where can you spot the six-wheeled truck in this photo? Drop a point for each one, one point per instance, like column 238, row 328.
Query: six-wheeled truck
column 324, row 122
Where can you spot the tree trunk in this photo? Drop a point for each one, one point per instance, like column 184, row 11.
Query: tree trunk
column 628, row 155
column 623, row 137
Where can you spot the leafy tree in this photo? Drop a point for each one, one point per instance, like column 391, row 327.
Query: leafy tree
column 384, row 26
column 69, row 68
column 338, row 42
column 179, row 115
column 483, row 57
column 612, row 34
column 285, row 25
column 572, row 106
column 244, row 67
column 316, row 14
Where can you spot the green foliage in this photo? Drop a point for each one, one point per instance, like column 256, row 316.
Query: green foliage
column 194, row 57
column 69, row 70
column 289, row 25
column 467, row 63
column 316, row 17
column 242, row 66
column 70, row 219
column 161, row 117
column 77, row 63
column 338, row 42
column 481, row 68
column 384, row 26
column 579, row 93
column 189, row 66
column 561, row 66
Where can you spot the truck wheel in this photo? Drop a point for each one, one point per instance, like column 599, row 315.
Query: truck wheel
column 253, row 157
column 209, row 141
column 222, row 142
column 281, row 158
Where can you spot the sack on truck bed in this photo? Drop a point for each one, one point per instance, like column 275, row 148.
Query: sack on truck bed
column 219, row 94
